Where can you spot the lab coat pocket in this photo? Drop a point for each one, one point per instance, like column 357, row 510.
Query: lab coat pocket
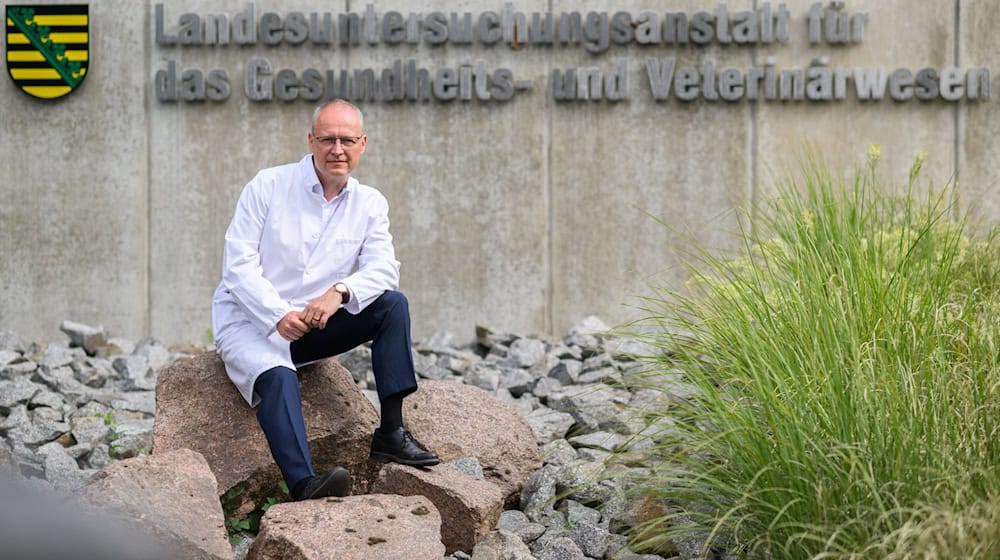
column 345, row 251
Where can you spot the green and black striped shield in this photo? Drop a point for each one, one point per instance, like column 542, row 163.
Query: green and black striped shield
column 48, row 48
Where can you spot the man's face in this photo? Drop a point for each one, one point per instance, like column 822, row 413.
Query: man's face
column 333, row 159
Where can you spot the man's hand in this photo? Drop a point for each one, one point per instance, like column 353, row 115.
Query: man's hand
column 319, row 310
column 291, row 327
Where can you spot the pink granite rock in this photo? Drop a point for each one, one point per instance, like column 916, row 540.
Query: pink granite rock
column 171, row 496
column 197, row 407
column 372, row 527
column 459, row 420
column 469, row 508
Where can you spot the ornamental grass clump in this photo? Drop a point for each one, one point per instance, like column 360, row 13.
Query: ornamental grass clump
column 847, row 400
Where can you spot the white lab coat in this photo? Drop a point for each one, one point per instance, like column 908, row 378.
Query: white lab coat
column 285, row 246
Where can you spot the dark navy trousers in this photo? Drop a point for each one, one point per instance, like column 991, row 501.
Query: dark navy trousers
column 386, row 323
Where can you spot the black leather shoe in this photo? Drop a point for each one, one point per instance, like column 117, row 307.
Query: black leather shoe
column 335, row 482
column 399, row 446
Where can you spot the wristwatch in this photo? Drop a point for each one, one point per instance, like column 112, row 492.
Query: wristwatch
column 345, row 294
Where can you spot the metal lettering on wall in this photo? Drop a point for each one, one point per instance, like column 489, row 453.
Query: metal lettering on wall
column 595, row 33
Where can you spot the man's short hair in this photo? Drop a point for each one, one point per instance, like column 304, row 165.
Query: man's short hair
column 315, row 117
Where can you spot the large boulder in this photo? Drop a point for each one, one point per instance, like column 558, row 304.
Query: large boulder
column 197, row 407
column 171, row 496
column 469, row 507
column 381, row 526
column 458, row 420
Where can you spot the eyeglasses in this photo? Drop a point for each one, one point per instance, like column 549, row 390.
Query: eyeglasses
column 331, row 141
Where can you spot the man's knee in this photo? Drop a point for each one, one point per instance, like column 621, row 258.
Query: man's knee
column 276, row 381
column 395, row 302
column 392, row 298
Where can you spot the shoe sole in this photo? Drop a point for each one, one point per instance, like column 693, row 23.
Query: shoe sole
column 386, row 458
column 337, row 484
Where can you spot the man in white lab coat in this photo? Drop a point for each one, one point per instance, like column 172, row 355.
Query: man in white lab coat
column 309, row 271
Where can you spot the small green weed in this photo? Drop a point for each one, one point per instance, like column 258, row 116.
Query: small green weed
column 108, row 418
column 251, row 523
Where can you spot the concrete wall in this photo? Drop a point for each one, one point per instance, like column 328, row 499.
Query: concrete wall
column 74, row 201
column 526, row 215
column 977, row 126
